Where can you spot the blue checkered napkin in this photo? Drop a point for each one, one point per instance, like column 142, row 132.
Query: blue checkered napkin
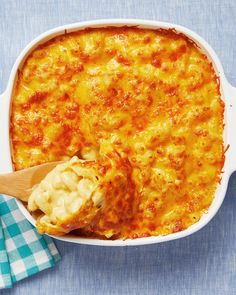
column 23, row 252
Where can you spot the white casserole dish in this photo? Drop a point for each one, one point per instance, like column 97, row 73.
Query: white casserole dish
column 228, row 94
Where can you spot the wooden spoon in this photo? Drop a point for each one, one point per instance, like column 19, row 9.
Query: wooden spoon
column 19, row 184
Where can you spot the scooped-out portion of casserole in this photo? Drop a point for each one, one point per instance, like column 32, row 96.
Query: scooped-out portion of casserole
column 141, row 109
column 90, row 195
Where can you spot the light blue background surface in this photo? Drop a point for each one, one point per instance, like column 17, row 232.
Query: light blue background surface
column 204, row 263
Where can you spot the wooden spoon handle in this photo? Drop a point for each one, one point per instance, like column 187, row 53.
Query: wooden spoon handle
column 13, row 186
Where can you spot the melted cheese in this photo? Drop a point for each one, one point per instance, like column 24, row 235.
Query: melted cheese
column 152, row 96
column 70, row 192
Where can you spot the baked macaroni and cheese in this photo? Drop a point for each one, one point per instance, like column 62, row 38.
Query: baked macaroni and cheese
column 147, row 101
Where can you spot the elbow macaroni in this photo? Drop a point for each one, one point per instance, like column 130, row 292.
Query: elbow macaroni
column 66, row 194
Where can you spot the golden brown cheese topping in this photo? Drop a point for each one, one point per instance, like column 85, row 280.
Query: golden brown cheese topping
column 151, row 96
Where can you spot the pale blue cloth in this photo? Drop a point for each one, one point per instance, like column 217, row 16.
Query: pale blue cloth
column 204, row 263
